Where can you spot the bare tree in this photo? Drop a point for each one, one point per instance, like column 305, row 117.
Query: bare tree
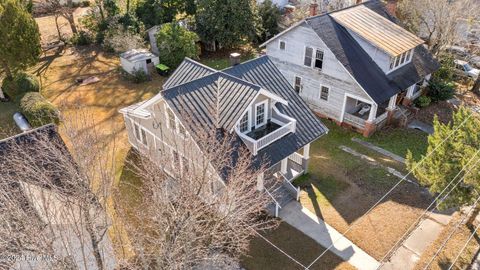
column 53, row 200
column 59, row 9
column 122, row 40
column 199, row 207
column 436, row 21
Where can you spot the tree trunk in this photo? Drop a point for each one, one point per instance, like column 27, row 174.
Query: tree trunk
column 476, row 86
column 58, row 28
column 93, row 237
column 71, row 21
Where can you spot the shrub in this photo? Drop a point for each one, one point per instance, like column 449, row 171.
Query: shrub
column 175, row 43
column 82, row 38
column 38, row 110
column 20, row 84
column 446, row 72
column 440, row 90
column 423, row 101
column 139, row 76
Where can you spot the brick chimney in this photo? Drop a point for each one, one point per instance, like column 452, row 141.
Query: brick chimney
column 391, row 7
column 313, row 8
column 358, row 2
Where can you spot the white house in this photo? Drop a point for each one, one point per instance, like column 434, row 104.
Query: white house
column 138, row 59
column 354, row 66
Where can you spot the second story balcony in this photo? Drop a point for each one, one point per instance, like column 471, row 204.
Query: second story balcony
column 276, row 127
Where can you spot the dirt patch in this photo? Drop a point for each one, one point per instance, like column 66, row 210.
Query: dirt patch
column 48, row 29
column 443, row 109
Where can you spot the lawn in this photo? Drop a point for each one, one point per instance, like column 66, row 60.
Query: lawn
column 400, row 140
column 341, row 187
column 263, row 256
column 7, row 125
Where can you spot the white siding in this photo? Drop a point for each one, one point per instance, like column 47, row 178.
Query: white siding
column 333, row 75
column 381, row 58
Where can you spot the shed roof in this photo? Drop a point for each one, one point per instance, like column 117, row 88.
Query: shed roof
column 377, row 30
column 135, row 55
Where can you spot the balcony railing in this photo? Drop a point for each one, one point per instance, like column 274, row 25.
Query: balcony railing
column 286, row 123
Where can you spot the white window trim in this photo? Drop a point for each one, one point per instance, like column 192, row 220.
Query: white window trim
column 284, row 42
column 320, row 93
column 175, row 129
column 408, row 59
column 314, row 57
column 248, row 111
column 167, row 109
column 140, row 129
column 265, row 114
column 301, row 82
column 305, row 54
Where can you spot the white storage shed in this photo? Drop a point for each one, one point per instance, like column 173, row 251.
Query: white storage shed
column 138, row 59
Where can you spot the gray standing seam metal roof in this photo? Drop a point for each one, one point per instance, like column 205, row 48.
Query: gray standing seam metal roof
column 234, row 89
column 188, row 71
column 379, row 86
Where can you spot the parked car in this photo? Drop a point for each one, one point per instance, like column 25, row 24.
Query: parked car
column 475, row 61
column 464, row 69
column 457, row 50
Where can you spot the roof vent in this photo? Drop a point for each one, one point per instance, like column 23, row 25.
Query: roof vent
column 234, row 59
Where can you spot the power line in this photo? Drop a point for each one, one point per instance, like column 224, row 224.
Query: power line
column 407, row 232
column 457, row 226
column 463, row 248
column 388, row 192
column 279, row 249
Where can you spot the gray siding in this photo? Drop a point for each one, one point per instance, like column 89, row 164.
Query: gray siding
column 333, row 74
column 381, row 58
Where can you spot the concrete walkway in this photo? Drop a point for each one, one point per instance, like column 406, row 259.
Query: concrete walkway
column 415, row 124
column 380, row 150
column 408, row 254
column 315, row 228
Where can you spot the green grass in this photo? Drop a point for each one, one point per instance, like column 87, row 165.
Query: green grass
column 331, row 170
column 262, row 256
column 399, row 141
column 7, row 125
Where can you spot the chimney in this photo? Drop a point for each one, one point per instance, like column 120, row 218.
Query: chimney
column 358, row 2
column 391, row 7
column 313, row 8
column 234, row 59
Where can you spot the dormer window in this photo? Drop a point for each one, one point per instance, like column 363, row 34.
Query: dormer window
column 244, row 127
column 260, row 114
column 401, row 60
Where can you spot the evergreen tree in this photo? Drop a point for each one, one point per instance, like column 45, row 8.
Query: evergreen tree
column 445, row 158
column 19, row 37
column 226, row 22
column 175, row 43
column 269, row 15
column 155, row 12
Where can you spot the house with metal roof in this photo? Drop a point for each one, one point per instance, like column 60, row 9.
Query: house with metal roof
column 251, row 103
column 356, row 65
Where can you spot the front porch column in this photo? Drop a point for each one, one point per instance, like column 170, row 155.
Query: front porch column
column 370, row 125
column 283, row 166
column 260, row 185
column 409, row 96
column 306, row 158
column 392, row 105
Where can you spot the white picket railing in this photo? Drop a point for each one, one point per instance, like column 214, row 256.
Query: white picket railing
column 296, row 157
column 291, row 188
column 354, row 120
column 287, row 125
column 277, row 205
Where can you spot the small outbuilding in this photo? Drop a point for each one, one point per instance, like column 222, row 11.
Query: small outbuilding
column 138, row 59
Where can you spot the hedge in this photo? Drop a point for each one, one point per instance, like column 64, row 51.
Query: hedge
column 38, row 110
column 20, row 84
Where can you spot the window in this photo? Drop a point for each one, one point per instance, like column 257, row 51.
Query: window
column 401, row 59
column 324, row 93
column 144, row 136
column 297, row 84
column 319, row 59
column 281, row 45
column 308, row 57
column 170, row 118
column 260, row 118
column 137, row 131
column 244, row 123
column 175, row 159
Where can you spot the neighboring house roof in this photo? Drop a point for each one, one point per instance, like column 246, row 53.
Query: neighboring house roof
column 217, row 100
column 378, row 85
column 188, row 71
column 135, row 55
column 377, row 30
